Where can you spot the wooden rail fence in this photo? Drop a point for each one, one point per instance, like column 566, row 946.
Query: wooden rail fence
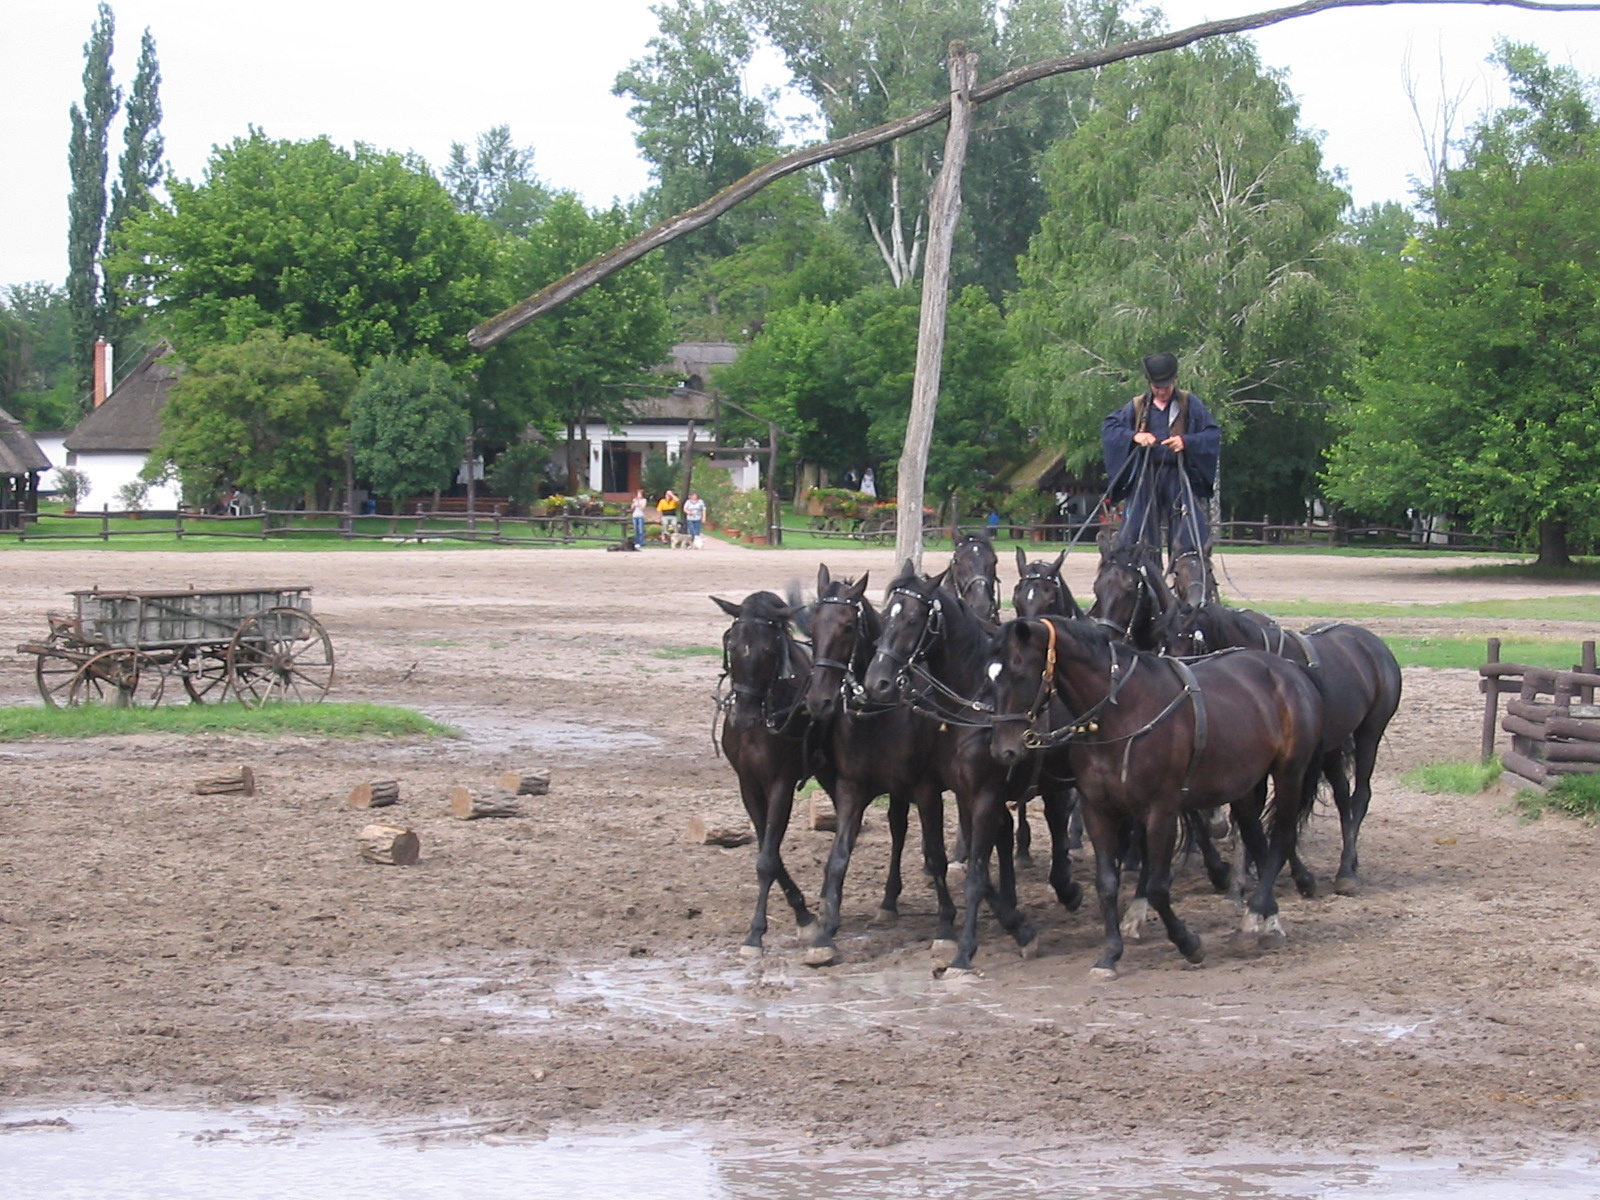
column 1552, row 718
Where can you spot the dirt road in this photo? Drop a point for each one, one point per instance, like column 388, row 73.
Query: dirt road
column 579, row 964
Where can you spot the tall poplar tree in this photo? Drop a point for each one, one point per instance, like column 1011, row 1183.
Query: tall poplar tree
column 87, row 160
column 138, row 171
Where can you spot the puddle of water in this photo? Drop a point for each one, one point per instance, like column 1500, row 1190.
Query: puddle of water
column 143, row 1154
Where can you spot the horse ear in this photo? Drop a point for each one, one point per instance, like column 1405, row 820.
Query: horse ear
column 1022, row 560
column 728, row 606
column 823, row 578
column 860, row 588
column 938, row 580
column 1165, row 597
column 908, row 570
column 1056, row 567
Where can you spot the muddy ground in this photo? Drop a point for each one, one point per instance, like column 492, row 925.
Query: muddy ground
column 578, row 965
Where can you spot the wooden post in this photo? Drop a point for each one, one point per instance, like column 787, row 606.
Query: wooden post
column 1491, row 703
column 390, row 845
column 244, row 783
column 534, row 783
column 721, row 831
column 467, row 804
column 944, row 213
column 380, row 793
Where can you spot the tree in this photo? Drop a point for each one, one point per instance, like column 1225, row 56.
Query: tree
column 497, row 183
column 408, row 426
column 575, row 366
column 359, row 248
column 139, row 171
column 86, row 203
column 38, row 375
column 1479, row 398
column 1188, row 213
column 697, row 126
column 267, row 413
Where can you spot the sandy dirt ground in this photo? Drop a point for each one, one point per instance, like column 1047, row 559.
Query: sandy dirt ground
column 579, row 964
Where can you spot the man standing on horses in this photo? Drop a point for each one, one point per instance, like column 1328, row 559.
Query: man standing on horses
column 1161, row 452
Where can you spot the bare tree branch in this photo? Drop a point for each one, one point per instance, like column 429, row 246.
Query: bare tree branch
column 499, row 327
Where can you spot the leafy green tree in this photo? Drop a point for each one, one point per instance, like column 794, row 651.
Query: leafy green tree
column 1479, row 397
column 697, row 126
column 38, row 370
column 497, row 182
column 267, row 413
column 577, row 364
column 359, row 248
column 138, row 171
column 408, row 426
column 86, row 203
column 1188, row 213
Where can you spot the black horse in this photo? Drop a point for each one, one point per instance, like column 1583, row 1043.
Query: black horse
column 1360, row 681
column 975, row 576
column 1150, row 737
column 872, row 750
column 1130, row 591
column 934, row 653
column 763, row 737
column 1041, row 591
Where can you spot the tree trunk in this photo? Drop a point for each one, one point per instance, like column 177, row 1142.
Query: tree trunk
column 944, row 211
column 389, row 845
column 1553, row 543
column 380, row 793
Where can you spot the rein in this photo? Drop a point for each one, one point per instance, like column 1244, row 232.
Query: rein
column 911, row 670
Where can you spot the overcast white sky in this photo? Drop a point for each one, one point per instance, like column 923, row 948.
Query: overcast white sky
column 402, row 75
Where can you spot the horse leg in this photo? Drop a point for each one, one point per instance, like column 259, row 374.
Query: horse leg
column 1106, row 838
column 989, row 822
column 1354, row 811
column 1137, row 854
column 769, row 809
column 1218, row 869
column 1024, row 835
column 1247, row 817
column 930, row 812
column 1293, row 787
column 850, row 804
column 1161, row 831
column 1058, row 809
column 899, row 813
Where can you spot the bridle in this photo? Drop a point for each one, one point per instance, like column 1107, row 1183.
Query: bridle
column 934, row 698
column 851, row 690
column 775, row 720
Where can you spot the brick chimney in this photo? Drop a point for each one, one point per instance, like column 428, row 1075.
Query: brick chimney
column 102, row 371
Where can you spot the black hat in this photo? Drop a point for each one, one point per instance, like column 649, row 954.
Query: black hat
column 1161, row 369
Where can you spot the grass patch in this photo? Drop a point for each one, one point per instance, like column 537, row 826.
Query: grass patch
column 1575, row 795
column 688, row 651
column 1539, row 608
column 1454, row 778
column 1556, row 654
column 278, row 720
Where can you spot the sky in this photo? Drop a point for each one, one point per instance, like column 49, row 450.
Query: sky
column 408, row 76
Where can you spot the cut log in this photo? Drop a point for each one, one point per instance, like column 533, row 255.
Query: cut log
column 380, row 793
column 244, row 783
column 534, row 783
column 390, row 845
column 468, row 804
column 721, row 831
column 824, row 818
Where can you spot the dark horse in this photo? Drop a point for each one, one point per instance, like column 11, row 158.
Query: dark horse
column 1041, row 591
column 1360, row 682
column 975, row 576
column 934, row 653
column 763, row 736
column 1130, row 591
column 872, row 750
column 1150, row 737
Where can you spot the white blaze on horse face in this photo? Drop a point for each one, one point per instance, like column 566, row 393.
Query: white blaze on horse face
column 994, row 670
column 895, row 609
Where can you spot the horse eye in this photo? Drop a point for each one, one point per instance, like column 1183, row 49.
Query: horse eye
column 994, row 670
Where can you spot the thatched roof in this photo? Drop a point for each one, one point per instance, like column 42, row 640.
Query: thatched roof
column 19, row 453
column 130, row 419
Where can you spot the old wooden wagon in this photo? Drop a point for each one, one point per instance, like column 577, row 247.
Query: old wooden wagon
column 257, row 645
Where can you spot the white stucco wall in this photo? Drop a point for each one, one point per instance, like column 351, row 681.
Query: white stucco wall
column 108, row 472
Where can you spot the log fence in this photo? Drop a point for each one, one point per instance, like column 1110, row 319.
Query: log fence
column 1551, row 716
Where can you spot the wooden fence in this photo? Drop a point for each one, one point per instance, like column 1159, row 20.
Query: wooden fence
column 1552, row 718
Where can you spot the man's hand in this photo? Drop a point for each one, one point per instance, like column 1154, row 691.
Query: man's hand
column 1144, row 438
column 1173, row 443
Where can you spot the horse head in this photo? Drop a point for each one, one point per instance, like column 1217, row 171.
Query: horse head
column 762, row 663
column 1041, row 591
column 975, row 575
column 844, row 628
column 1130, row 591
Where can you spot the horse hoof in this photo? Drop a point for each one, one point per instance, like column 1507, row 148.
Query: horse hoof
column 1105, row 973
column 1196, row 956
column 749, row 951
column 1347, row 885
column 820, row 956
column 1023, row 861
column 943, row 951
column 885, row 916
column 1307, row 889
column 1029, row 948
column 957, row 974
column 1272, row 934
column 1072, row 899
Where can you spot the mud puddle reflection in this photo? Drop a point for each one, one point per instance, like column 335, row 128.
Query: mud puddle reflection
column 143, row 1154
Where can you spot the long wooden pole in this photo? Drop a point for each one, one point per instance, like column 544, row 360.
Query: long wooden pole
column 944, row 214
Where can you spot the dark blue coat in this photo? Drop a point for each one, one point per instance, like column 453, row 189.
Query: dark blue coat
column 1202, row 441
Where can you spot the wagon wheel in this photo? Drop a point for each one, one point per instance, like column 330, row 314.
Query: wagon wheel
column 280, row 654
column 204, row 671
column 54, row 674
column 111, row 679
